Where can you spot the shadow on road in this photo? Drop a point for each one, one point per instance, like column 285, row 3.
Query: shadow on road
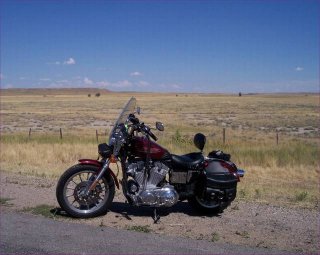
column 128, row 210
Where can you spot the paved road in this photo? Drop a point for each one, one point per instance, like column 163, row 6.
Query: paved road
column 25, row 234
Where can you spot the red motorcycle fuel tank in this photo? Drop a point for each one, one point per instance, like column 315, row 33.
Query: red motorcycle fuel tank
column 140, row 147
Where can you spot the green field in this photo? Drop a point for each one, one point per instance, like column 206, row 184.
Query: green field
column 284, row 172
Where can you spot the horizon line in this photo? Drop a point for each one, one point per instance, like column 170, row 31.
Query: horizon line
column 157, row 92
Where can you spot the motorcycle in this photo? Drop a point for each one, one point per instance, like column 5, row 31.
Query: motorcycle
column 151, row 175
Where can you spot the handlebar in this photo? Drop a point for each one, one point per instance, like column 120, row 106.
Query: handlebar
column 147, row 130
column 133, row 119
column 142, row 127
column 152, row 135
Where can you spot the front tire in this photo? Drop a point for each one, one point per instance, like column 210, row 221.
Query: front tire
column 70, row 189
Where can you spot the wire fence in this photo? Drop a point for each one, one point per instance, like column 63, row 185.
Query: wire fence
column 60, row 134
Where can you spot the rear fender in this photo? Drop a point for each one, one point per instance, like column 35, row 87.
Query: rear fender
column 219, row 166
column 97, row 163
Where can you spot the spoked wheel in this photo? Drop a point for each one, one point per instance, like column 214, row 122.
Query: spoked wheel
column 71, row 192
column 205, row 205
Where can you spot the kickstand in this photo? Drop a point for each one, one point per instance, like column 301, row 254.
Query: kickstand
column 156, row 216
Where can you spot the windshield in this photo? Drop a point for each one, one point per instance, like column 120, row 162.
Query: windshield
column 127, row 109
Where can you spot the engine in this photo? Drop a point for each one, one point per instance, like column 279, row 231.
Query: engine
column 150, row 188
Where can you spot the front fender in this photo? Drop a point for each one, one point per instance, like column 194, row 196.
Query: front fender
column 97, row 163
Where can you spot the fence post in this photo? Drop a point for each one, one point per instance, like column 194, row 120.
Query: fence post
column 224, row 135
column 29, row 133
column 97, row 135
column 277, row 138
column 60, row 133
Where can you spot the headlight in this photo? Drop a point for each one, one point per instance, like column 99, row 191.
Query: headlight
column 104, row 150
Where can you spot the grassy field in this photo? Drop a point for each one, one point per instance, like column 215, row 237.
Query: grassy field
column 284, row 173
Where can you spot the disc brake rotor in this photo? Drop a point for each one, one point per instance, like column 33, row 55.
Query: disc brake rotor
column 91, row 199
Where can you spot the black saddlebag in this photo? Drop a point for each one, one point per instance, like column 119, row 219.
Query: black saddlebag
column 223, row 185
column 221, row 181
column 218, row 176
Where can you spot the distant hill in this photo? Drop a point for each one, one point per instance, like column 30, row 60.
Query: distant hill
column 56, row 91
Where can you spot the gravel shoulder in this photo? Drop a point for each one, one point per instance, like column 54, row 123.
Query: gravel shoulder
column 243, row 223
column 99, row 240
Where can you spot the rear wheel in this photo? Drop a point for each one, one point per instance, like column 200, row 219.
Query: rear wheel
column 71, row 195
column 205, row 205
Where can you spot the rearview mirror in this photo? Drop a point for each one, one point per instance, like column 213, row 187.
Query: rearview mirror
column 159, row 126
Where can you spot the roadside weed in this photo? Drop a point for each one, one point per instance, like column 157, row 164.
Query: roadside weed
column 139, row 228
column 5, row 201
column 215, row 237
column 43, row 209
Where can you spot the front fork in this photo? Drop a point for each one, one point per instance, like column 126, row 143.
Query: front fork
column 93, row 185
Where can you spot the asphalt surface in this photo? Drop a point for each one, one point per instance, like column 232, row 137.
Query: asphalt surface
column 25, row 234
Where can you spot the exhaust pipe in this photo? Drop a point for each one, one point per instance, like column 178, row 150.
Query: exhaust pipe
column 240, row 172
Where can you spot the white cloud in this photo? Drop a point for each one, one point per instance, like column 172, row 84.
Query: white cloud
column 54, row 63
column 44, row 79
column 299, row 68
column 56, row 85
column 176, row 86
column 23, row 78
column 135, row 74
column 87, row 81
column 122, row 84
column 65, row 84
column 103, row 84
column 1, row 76
column 143, row 84
column 170, row 87
column 8, row 86
column 70, row 61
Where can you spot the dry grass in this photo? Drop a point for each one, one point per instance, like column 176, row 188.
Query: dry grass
column 287, row 173
column 47, row 159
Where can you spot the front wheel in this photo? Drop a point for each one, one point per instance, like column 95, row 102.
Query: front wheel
column 71, row 195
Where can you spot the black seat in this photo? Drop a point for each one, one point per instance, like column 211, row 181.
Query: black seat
column 187, row 161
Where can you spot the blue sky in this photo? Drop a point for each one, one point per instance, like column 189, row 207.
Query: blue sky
column 181, row 46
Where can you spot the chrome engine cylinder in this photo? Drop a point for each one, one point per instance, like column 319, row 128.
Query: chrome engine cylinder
column 151, row 193
column 166, row 196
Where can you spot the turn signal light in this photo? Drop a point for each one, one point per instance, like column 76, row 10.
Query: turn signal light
column 113, row 159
